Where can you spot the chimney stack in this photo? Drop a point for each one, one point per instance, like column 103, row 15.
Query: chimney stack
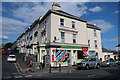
column 56, row 6
column 40, row 18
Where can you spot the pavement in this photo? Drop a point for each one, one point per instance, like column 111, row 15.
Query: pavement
column 0, row 66
column 17, row 70
column 42, row 72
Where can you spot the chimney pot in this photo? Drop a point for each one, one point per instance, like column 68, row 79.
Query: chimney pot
column 56, row 6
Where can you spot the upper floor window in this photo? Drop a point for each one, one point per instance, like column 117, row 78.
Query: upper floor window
column 88, row 43
column 95, row 43
column 74, row 38
column 30, row 37
column 95, row 32
column 35, row 34
column 61, row 22
column 62, row 37
column 45, row 25
column 73, row 24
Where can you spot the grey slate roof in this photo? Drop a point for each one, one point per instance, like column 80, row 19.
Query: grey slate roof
column 106, row 50
column 60, row 12
column 118, row 45
column 93, row 26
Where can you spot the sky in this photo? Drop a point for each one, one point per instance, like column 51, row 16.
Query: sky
column 18, row 16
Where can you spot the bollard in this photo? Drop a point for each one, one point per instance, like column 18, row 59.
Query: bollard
column 59, row 67
column 50, row 69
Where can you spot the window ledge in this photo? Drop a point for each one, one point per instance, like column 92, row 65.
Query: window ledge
column 68, row 29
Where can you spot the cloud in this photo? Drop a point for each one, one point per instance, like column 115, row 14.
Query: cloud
column 116, row 12
column 60, row 0
column 12, row 26
column 96, row 9
column 3, row 37
column 29, row 12
column 110, row 40
column 76, row 8
column 105, row 26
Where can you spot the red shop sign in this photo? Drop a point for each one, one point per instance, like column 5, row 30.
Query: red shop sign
column 52, row 58
column 84, row 48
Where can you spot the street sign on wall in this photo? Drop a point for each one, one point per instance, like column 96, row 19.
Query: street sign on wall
column 85, row 48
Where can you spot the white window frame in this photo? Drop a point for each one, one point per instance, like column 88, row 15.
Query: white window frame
column 73, row 24
column 61, row 23
column 95, row 33
column 74, row 38
column 95, row 41
column 89, row 43
column 62, row 37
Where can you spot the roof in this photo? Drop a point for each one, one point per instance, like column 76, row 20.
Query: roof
column 62, row 13
column 93, row 26
column 106, row 50
column 118, row 45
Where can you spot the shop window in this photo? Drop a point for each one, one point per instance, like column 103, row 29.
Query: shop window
column 96, row 53
column 79, row 55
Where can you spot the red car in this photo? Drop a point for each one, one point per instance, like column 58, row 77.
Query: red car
column 3, row 51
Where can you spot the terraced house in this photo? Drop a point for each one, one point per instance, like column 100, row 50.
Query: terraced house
column 62, row 36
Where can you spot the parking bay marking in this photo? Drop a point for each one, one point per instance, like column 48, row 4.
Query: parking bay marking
column 18, row 76
column 7, row 77
column 91, row 75
column 28, row 76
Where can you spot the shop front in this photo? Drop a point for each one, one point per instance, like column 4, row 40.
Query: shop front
column 61, row 54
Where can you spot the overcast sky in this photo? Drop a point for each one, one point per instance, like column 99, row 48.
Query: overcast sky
column 17, row 16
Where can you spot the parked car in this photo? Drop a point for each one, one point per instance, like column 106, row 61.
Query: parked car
column 118, row 62
column 109, row 63
column 90, row 63
column 11, row 58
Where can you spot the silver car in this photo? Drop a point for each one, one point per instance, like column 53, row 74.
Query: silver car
column 90, row 63
column 109, row 63
column 118, row 62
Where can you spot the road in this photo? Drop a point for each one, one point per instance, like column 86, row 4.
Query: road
column 103, row 72
column 0, row 66
column 8, row 68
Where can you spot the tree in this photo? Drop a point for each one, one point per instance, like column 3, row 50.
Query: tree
column 8, row 45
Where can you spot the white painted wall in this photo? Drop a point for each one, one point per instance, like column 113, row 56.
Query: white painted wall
column 80, row 27
column 91, row 37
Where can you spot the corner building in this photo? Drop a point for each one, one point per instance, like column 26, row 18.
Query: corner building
column 62, row 36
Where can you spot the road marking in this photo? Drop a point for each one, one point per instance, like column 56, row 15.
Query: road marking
column 28, row 76
column 14, row 73
column 91, row 75
column 18, row 76
column 7, row 77
column 17, row 67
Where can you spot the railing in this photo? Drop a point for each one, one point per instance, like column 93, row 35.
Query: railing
column 37, row 65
